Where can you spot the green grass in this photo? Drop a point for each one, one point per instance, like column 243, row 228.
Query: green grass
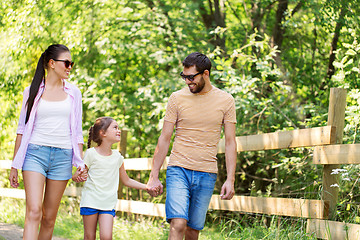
column 254, row 227
column 69, row 224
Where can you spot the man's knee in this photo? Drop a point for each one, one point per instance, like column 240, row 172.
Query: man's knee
column 178, row 225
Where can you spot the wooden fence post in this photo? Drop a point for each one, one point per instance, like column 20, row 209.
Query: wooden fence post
column 336, row 117
column 122, row 149
column 123, row 142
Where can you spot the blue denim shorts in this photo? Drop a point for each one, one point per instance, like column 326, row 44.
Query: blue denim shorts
column 90, row 211
column 54, row 163
column 188, row 194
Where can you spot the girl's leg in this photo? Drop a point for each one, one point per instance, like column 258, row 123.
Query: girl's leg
column 106, row 222
column 54, row 190
column 34, row 189
column 90, row 224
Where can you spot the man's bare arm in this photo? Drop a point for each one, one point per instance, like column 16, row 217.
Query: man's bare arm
column 227, row 190
column 154, row 186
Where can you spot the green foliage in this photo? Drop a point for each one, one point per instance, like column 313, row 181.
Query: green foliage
column 128, row 57
column 348, row 62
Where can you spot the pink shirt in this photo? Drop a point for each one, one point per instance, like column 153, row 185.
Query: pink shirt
column 75, row 124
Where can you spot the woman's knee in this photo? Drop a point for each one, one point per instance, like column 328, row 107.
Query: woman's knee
column 33, row 213
column 48, row 221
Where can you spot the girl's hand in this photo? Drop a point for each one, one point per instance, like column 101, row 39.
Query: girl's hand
column 80, row 175
column 154, row 187
column 14, row 177
column 83, row 174
column 77, row 175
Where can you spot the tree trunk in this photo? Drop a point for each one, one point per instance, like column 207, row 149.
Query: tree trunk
column 339, row 24
column 213, row 19
column 278, row 31
column 257, row 13
column 220, row 22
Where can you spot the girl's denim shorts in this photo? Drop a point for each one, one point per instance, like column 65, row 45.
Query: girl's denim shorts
column 85, row 211
column 52, row 162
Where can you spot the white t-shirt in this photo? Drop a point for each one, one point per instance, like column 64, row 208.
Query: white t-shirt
column 52, row 124
column 100, row 188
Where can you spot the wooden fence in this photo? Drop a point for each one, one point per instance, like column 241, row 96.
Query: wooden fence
column 328, row 151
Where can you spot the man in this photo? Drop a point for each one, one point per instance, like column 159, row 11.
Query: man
column 198, row 111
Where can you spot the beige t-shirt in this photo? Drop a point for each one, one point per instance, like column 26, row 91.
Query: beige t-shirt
column 198, row 121
column 100, row 188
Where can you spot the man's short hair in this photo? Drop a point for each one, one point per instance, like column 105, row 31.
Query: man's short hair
column 199, row 60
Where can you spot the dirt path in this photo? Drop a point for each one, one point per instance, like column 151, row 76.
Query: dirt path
column 13, row 232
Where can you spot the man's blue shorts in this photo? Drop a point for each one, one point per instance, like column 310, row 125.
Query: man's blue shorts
column 90, row 211
column 188, row 194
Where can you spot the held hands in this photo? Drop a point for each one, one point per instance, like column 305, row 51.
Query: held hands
column 154, row 187
column 80, row 175
column 14, row 178
column 227, row 190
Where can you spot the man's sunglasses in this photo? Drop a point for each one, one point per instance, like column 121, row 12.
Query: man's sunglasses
column 67, row 62
column 190, row 77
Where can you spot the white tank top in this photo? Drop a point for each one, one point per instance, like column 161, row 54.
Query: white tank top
column 52, row 124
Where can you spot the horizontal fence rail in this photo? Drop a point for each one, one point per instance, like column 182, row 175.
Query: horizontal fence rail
column 324, row 229
column 136, row 164
column 285, row 139
column 291, row 207
column 303, row 208
column 337, row 154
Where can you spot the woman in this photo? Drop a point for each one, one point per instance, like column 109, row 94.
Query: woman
column 49, row 140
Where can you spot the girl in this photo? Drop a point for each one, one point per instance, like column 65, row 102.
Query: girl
column 49, row 140
column 104, row 165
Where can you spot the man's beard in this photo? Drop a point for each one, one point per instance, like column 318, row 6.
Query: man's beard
column 198, row 86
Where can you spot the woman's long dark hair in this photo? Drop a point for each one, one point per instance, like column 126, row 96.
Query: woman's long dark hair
column 52, row 52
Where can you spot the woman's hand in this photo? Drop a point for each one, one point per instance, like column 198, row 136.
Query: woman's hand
column 14, row 177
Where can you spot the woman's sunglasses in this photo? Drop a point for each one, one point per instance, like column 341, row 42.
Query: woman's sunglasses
column 67, row 62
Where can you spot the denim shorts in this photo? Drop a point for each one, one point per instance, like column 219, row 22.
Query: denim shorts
column 54, row 163
column 90, row 211
column 188, row 194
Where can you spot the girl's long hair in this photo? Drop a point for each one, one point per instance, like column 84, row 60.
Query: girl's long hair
column 101, row 124
column 52, row 52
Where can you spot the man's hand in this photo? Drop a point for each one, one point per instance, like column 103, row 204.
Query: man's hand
column 154, row 187
column 227, row 190
column 14, row 178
